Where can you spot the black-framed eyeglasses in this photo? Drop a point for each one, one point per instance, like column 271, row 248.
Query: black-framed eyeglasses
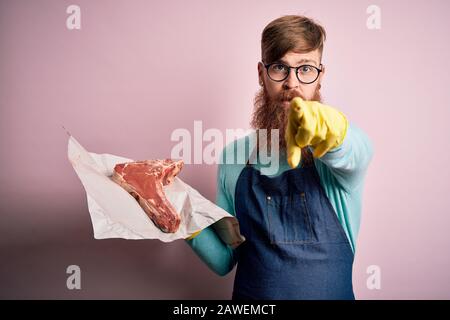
column 306, row 73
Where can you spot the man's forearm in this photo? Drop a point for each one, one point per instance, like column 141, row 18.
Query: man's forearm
column 349, row 161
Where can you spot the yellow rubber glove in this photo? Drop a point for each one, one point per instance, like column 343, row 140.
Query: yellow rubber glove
column 311, row 123
column 192, row 236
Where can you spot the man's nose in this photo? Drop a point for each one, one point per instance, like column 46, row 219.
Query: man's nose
column 291, row 81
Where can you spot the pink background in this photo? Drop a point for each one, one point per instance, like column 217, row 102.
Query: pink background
column 137, row 70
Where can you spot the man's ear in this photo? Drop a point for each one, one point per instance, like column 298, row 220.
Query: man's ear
column 260, row 73
column 321, row 74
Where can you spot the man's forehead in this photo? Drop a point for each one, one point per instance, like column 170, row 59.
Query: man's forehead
column 294, row 58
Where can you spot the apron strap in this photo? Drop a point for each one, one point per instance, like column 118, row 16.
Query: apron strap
column 255, row 152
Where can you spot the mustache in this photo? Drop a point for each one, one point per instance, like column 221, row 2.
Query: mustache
column 289, row 95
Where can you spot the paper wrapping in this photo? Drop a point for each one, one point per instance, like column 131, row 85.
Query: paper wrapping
column 116, row 214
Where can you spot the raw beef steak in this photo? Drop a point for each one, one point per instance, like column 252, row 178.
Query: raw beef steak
column 144, row 180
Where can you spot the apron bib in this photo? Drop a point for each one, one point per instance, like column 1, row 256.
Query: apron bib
column 295, row 246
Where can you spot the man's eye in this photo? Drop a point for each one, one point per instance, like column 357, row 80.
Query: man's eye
column 305, row 69
column 279, row 67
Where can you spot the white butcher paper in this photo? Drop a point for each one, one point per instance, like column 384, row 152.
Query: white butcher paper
column 116, row 214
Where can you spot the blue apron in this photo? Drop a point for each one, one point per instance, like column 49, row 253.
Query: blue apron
column 295, row 246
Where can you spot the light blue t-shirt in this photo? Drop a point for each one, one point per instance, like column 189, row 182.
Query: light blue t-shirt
column 342, row 171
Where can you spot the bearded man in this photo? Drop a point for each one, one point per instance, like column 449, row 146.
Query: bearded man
column 300, row 223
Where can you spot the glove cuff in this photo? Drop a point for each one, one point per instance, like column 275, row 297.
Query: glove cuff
column 192, row 236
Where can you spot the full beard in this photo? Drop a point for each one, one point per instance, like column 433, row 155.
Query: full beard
column 271, row 114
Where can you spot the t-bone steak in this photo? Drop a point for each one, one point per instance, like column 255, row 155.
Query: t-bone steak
column 144, row 180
